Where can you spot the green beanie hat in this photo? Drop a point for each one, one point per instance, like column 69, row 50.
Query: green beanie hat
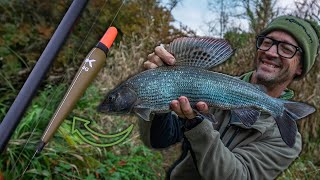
column 305, row 32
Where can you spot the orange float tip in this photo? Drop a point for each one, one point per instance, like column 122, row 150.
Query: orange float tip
column 109, row 36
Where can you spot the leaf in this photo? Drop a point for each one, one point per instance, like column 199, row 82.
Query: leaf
column 1, row 176
column 65, row 166
column 77, row 156
column 122, row 163
column 42, row 173
column 112, row 170
column 97, row 175
column 4, row 51
column 46, row 31
column 90, row 177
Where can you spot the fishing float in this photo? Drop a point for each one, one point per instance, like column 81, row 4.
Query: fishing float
column 88, row 70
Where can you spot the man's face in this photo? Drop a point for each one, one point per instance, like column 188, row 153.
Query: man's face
column 271, row 68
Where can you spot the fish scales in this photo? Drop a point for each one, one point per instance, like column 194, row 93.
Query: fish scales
column 153, row 90
column 198, row 85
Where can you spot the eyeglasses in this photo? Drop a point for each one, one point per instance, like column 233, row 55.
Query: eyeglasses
column 284, row 49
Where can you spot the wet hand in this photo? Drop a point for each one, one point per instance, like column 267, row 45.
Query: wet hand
column 159, row 57
column 184, row 110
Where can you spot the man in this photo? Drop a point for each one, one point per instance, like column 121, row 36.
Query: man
column 286, row 50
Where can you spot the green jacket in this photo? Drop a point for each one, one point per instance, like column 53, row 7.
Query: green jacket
column 229, row 150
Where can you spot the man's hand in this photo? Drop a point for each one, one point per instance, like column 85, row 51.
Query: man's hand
column 183, row 109
column 159, row 57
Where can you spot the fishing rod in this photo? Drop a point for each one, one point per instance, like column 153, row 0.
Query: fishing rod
column 88, row 70
column 22, row 101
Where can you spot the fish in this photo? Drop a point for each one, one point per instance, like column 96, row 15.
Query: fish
column 151, row 91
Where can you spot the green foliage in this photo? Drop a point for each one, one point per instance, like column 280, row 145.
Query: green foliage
column 301, row 169
column 27, row 26
column 135, row 165
column 66, row 156
column 25, row 30
column 238, row 38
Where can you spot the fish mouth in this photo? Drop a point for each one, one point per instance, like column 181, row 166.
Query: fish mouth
column 104, row 108
column 111, row 110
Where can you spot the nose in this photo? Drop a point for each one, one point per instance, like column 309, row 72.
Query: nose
column 272, row 51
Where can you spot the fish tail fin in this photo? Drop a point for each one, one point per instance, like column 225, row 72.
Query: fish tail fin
column 293, row 111
column 287, row 127
column 298, row 110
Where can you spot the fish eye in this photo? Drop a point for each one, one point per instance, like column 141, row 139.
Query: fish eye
column 111, row 98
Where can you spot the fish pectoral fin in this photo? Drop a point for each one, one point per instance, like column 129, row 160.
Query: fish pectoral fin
column 247, row 116
column 143, row 113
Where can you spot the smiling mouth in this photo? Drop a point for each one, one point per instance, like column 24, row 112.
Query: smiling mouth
column 269, row 65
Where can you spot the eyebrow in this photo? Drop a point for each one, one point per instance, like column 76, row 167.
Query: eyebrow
column 283, row 41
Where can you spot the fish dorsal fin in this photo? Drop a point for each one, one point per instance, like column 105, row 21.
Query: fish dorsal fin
column 202, row 52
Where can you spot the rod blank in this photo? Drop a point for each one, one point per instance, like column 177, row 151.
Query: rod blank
column 22, row 101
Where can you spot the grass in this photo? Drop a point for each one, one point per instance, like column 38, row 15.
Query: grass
column 301, row 169
column 66, row 156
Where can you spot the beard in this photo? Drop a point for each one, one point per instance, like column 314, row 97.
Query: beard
column 280, row 75
column 272, row 80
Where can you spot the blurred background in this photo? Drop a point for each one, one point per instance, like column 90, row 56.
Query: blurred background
column 27, row 26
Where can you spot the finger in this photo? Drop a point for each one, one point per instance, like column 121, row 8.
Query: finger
column 202, row 107
column 175, row 106
column 150, row 56
column 186, row 108
column 156, row 60
column 149, row 65
column 164, row 55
